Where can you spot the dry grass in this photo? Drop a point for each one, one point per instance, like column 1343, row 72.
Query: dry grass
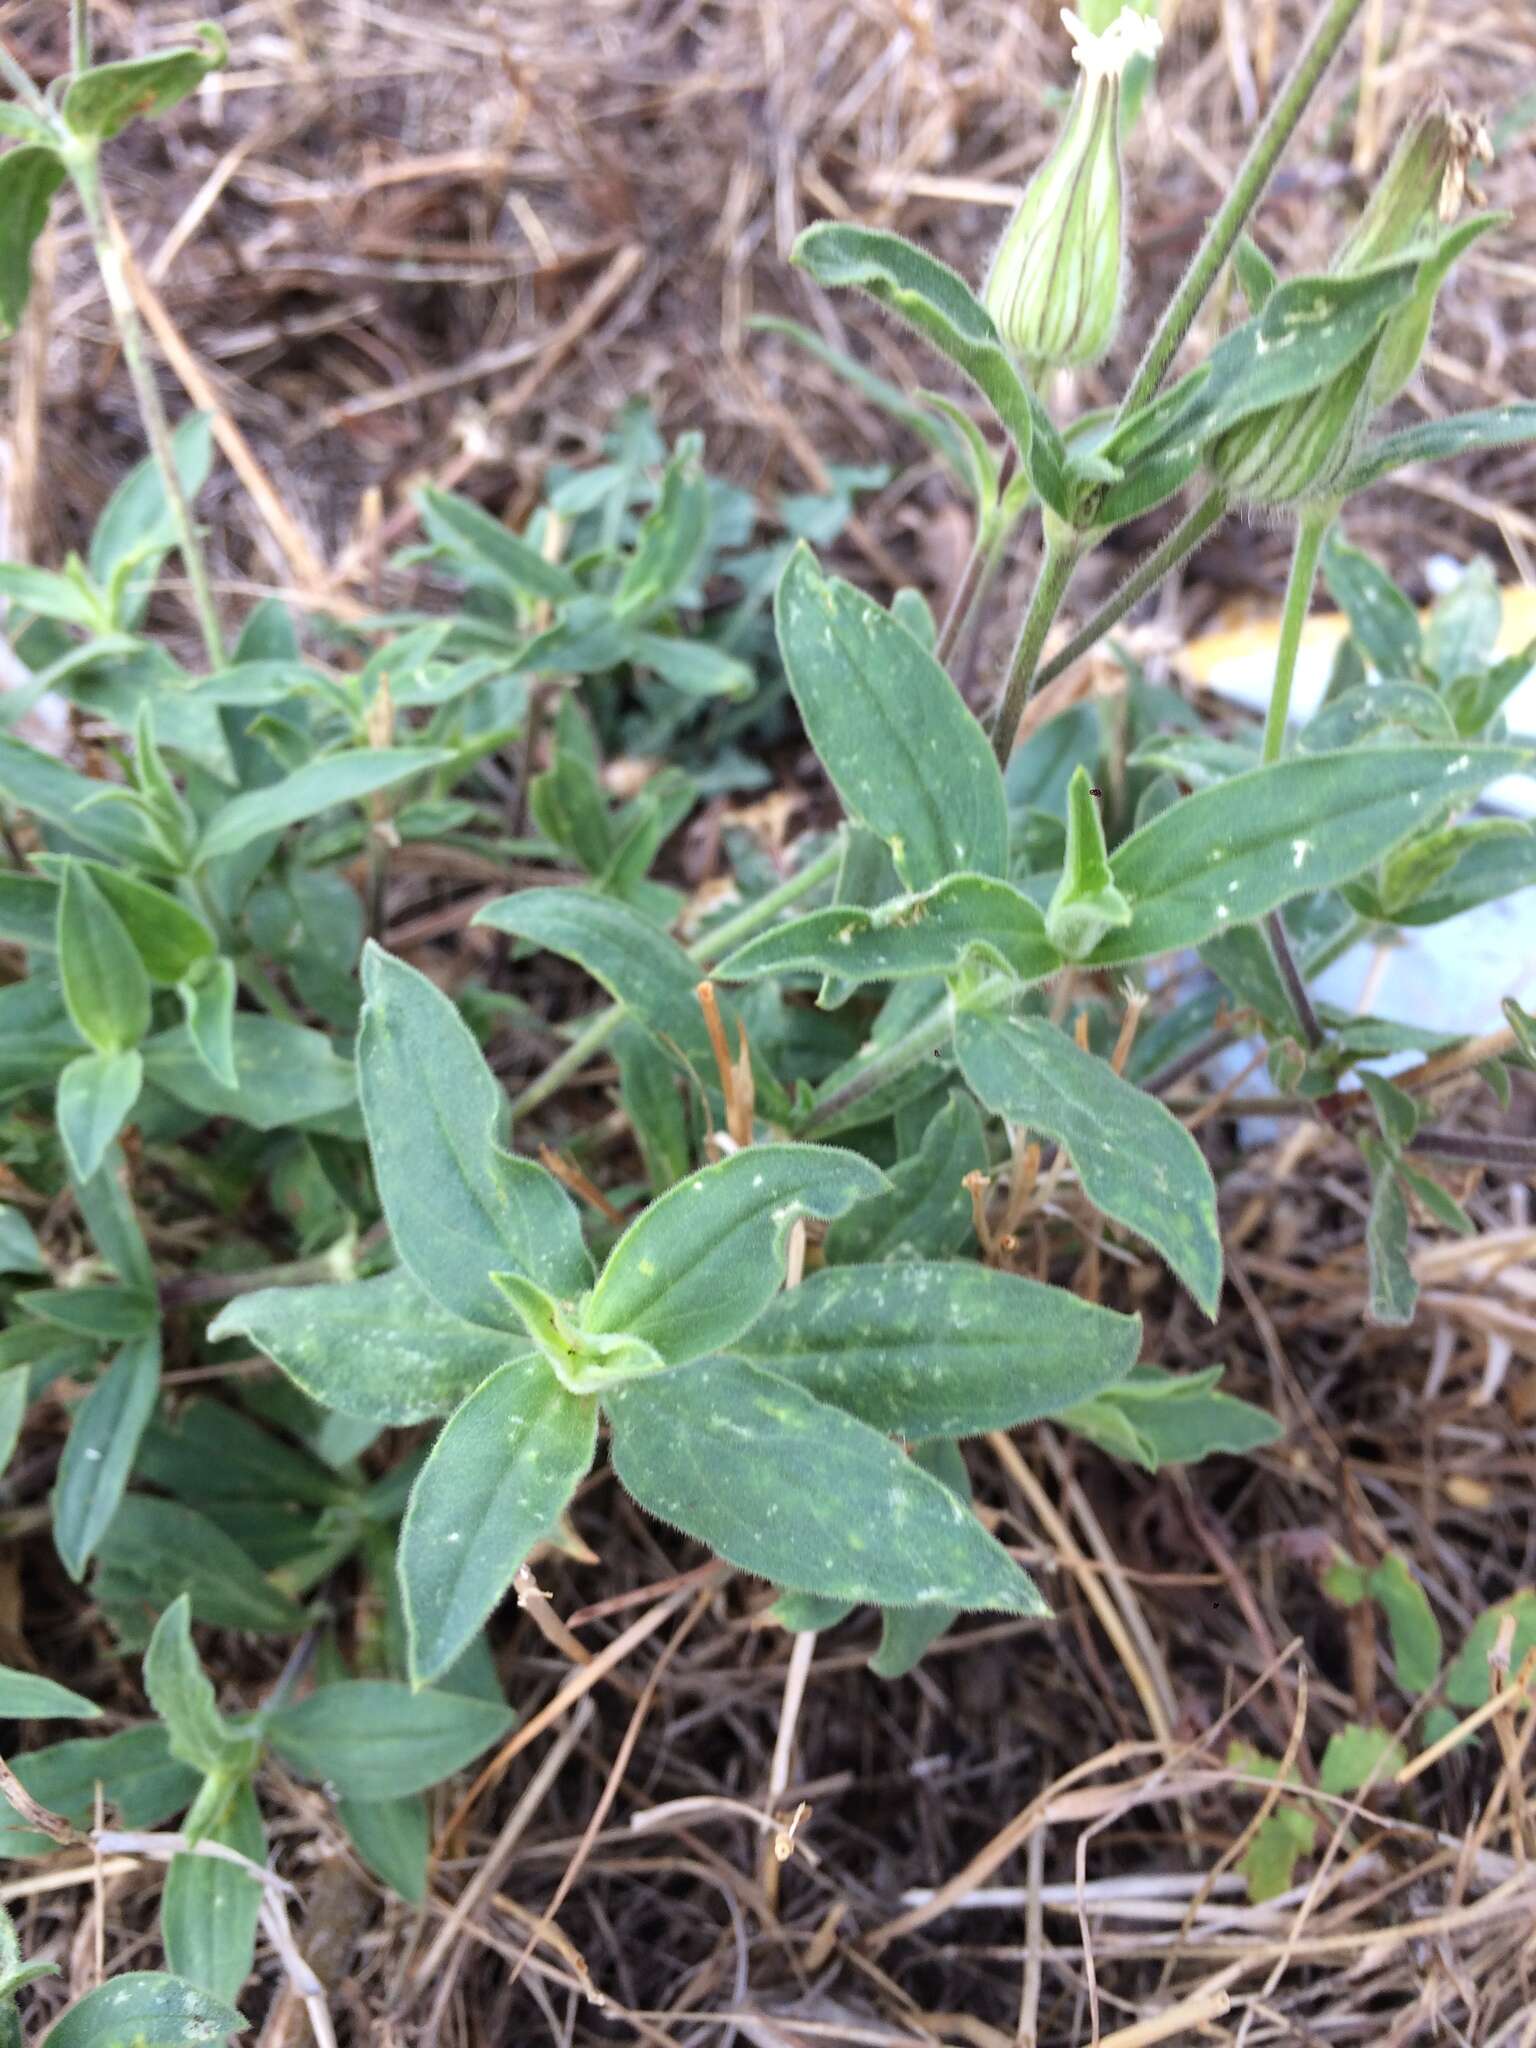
column 394, row 241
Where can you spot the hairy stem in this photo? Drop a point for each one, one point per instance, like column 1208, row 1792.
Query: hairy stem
column 157, row 430
column 1163, row 560
column 596, row 1033
column 1478, row 1147
column 20, row 84
column 1295, row 987
column 1257, row 168
column 884, row 1063
column 79, row 35
column 1298, row 596
column 1061, row 558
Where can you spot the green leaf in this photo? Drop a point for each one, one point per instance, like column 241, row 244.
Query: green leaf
column 29, row 177
column 907, row 1632
column 802, row 1494
column 1269, row 1862
column 15, row 1387
column 287, row 1074
column 208, row 999
column 134, row 1768
column 99, row 1454
column 394, row 1839
column 1466, row 433
column 106, row 989
column 941, row 306
column 107, row 1314
column 101, row 102
column 1394, row 1292
column 72, row 803
column 96, row 1096
column 497, row 1479
column 1417, row 1646
column 25, row 1697
column 1396, row 1111
column 926, row 1213
column 1256, row 275
column 700, row 1265
column 1464, row 626
column 1468, row 1683
column 168, row 1549
column 318, row 786
column 209, row 1908
column 381, row 1349
column 940, row 1349
column 1383, row 623
column 1136, row 1162
column 1159, row 1418
column 182, row 1695
column 1376, row 707
column 907, row 758
column 964, row 918
column 642, row 969
column 69, row 598
column 671, row 537
column 144, row 2009
column 1228, row 855
column 459, row 1206
column 1356, row 1757
column 369, row 1738
column 653, row 1105
column 137, row 528
column 19, row 1249
column 469, row 534
column 28, row 911
column 170, row 940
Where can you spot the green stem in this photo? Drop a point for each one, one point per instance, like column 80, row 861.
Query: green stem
column 157, row 430
column 20, row 84
column 885, row 1063
column 1180, row 544
column 598, row 1029
column 79, row 36
column 1310, row 530
column 1061, row 558
column 1335, row 948
column 266, row 991
column 1247, row 190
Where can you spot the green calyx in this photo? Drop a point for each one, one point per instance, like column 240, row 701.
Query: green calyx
column 1054, row 285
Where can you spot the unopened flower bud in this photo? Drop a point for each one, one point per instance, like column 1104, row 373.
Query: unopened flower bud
column 1294, row 454
column 1087, row 903
column 1054, row 286
column 1420, row 191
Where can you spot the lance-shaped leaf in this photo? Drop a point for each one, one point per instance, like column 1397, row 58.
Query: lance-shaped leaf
column 161, row 1549
column 76, row 805
column 105, row 986
column 101, row 102
column 965, row 917
column 497, row 1479
column 210, row 1907
column 908, row 759
column 1394, row 1289
column 927, row 1212
column 639, row 965
column 941, row 306
column 1464, row 433
column 103, row 1441
column 1157, row 1418
column 906, row 1632
column 208, row 1000
column 461, row 529
column 285, row 1073
column 96, row 1096
column 394, row 1839
column 1382, row 623
column 317, row 786
column 459, row 1206
column 1136, row 1162
column 148, row 2007
column 1086, row 902
column 802, row 1494
column 26, row 1697
column 373, row 1739
column 29, row 177
column 700, row 1265
column 170, row 940
column 181, row 1693
column 1232, row 853
column 380, row 1349
column 940, row 1349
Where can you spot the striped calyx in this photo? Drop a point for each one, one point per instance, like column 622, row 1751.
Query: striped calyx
column 1054, row 286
